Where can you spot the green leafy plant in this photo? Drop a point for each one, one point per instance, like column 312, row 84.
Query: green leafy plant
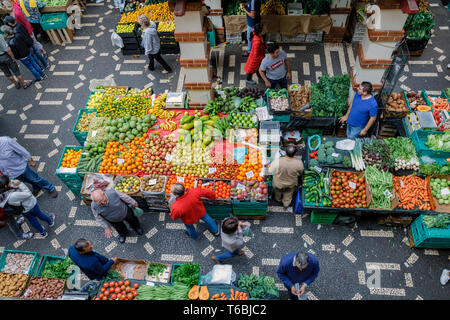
column 420, row 25
column 316, row 6
column 188, row 273
column 258, row 286
column 57, row 270
column 329, row 96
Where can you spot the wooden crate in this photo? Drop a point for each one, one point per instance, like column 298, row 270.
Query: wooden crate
column 387, row 131
column 60, row 36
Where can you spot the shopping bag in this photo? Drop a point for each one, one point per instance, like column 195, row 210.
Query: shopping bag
column 138, row 212
column 298, row 206
column 116, row 40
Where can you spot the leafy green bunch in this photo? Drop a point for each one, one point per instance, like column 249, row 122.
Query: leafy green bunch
column 421, row 25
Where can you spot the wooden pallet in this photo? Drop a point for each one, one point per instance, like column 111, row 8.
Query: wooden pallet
column 60, row 36
column 387, row 131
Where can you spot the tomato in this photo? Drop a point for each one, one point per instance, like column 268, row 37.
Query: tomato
column 135, row 294
column 133, row 290
column 102, row 290
column 117, row 290
column 106, row 285
column 101, row 295
column 116, row 284
column 128, row 289
column 136, row 285
column 127, row 283
column 114, row 296
column 120, row 283
column 112, row 284
column 122, row 288
column 104, row 298
column 130, row 296
column 106, row 293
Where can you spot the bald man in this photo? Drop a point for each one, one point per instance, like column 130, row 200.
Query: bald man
column 111, row 208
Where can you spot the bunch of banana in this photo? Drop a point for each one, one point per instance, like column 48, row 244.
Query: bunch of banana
column 273, row 7
column 423, row 5
column 168, row 125
column 164, row 114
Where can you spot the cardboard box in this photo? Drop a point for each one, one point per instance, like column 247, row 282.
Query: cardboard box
column 128, row 271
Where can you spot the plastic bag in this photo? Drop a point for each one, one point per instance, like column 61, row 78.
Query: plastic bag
column 298, row 207
column 247, row 232
column 116, row 40
column 138, row 212
column 237, row 102
column 220, row 274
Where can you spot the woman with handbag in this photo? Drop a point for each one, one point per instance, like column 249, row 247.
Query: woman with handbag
column 16, row 193
column 9, row 66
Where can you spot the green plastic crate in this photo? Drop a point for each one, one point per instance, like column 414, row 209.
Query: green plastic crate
column 249, row 204
column 219, row 212
column 249, row 212
column 422, row 95
column 282, row 118
column 444, row 93
column 427, row 97
column 429, row 238
column 72, row 180
column 175, row 265
column 89, row 98
column 59, row 23
column 81, row 136
column 323, row 218
column 34, row 263
column 420, row 137
column 48, row 259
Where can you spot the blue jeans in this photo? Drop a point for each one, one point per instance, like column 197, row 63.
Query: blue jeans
column 227, row 255
column 353, row 132
column 35, row 180
column 33, row 66
column 37, row 55
column 33, row 216
column 210, row 223
column 249, row 32
column 282, row 82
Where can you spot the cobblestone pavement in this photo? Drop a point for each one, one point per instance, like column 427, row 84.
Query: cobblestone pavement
column 41, row 118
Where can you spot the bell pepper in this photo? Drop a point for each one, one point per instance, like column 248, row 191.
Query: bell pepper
column 313, row 155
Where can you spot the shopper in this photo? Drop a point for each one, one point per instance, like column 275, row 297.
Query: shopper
column 298, row 268
column 253, row 13
column 189, row 207
column 285, row 172
column 7, row 214
column 275, row 67
column 8, row 65
column 445, row 276
column 232, row 239
column 362, row 113
column 30, row 9
column 15, row 193
column 37, row 49
column 21, row 48
column 256, row 55
column 152, row 44
column 16, row 162
column 94, row 265
column 112, row 208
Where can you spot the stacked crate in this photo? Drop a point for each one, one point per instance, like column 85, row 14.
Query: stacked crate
column 72, row 180
column 168, row 43
column 131, row 42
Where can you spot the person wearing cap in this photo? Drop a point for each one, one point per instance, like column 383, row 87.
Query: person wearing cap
column 152, row 44
column 298, row 267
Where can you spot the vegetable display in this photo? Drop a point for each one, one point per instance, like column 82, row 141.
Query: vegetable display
column 113, row 275
column 376, row 152
column 397, row 103
column 299, row 98
column 71, row 158
column 415, row 100
column 234, row 295
column 437, row 221
column 439, row 104
column 118, row 290
column 327, row 155
column 17, row 263
column 156, row 270
column 42, row 288
column 188, row 273
column 57, row 270
column 153, row 183
column 380, row 183
column 440, row 190
column 259, row 287
column 420, row 26
column 246, row 120
column 329, row 96
column 403, row 153
column 356, row 156
column 348, row 190
column 438, row 141
column 412, row 192
column 317, row 189
column 12, row 285
column 178, row 291
column 433, row 168
column 85, row 120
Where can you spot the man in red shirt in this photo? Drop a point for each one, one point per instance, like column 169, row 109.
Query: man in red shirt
column 189, row 207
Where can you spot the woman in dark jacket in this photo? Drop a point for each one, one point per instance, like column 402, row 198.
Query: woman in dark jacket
column 21, row 48
column 257, row 53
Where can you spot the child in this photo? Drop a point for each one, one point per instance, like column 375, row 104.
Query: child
column 15, row 193
column 232, row 239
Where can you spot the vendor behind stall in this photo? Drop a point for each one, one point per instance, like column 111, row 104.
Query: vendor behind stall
column 285, row 172
column 362, row 113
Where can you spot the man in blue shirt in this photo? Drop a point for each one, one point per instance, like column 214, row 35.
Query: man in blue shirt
column 362, row 113
column 253, row 12
column 298, row 267
column 94, row 265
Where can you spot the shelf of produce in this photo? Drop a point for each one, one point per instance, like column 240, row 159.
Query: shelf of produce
column 429, row 237
column 61, row 8
column 34, row 263
column 338, row 151
column 81, row 135
column 47, row 259
column 72, row 180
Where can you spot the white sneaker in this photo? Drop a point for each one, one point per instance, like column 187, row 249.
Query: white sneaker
column 44, row 235
column 165, row 72
column 20, row 221
column 445, row 276
column 52, row 216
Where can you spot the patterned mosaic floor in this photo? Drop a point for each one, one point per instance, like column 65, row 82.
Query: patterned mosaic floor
column 41, row 118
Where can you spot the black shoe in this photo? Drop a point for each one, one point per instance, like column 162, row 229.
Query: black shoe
column 139, row 231
column 35, row 193
column 54, row 193
column 122, row 239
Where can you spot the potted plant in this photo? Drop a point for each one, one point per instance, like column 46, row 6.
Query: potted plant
column 418, row 31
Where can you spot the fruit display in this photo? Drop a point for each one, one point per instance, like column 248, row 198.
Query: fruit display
column 129, row 127
column 118, row 290
column 154, row 12
column 12, row 285
column 17, row 263
column 188, row 182
column 246, row 120
column 158, row 111
column 248, row 190
column 222, row 190
column 153, row 183
column 127, row 184
column 134, row 103
column 157, row 153
column 251, row 167
column 243, row 135
column 348, row 190
column 43, row 288
column 85, row 120
column 273, row 7
column 109, row 94
column 205, row 184
column 415, row 100
column 440, row 189
column 123, row 158
column 71, row 158
column 125, row 28
column 166, row 26
column 223, row 170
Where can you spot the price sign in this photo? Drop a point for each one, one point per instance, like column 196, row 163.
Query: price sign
column 250, row 174
column 94, row 133
column 254, row 118
column 152, row 182
column 352, row 185
column 445, row 192
column 318, row 169
column 120, row 161
column 212, row 170
column 180, row 179
column 335, row 155
column 168, row 157
column 240, row 187
column 402, row 184
column 326, row 180
column 387, row 194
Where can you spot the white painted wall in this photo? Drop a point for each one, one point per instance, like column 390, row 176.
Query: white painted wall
column 217, row 21
column 196, row 75
column 190, row 22
column 376, row 50
column 392, row 19
column 199, row 96
column 371, row 75
column 214, row 4
column 193, row 50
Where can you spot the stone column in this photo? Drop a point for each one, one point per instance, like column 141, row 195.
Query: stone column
column 190, row 32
